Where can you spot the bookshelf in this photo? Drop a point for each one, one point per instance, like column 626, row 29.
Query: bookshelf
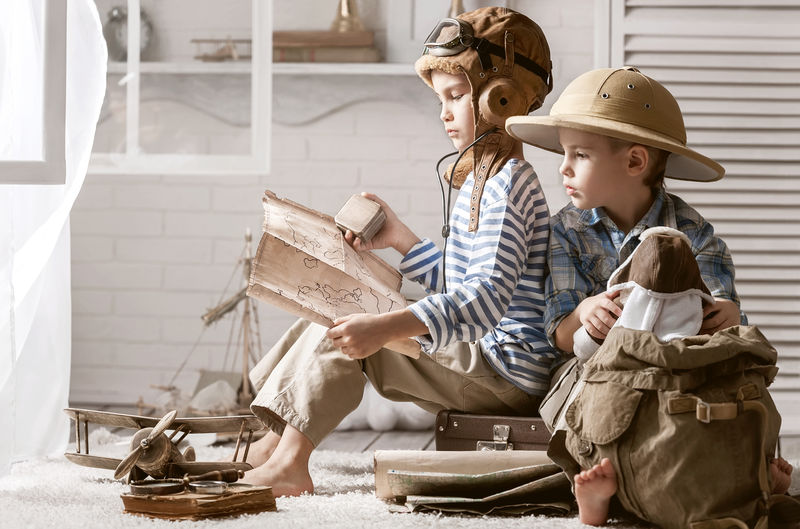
column 347, row 68
column 171, row 117
column 278, row 68
column 175, row 114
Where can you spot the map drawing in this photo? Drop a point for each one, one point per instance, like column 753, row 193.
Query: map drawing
column 304, row 265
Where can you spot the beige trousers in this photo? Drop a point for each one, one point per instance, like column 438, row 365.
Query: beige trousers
column 308, row 383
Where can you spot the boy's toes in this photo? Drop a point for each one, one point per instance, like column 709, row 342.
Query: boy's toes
column 606, row 468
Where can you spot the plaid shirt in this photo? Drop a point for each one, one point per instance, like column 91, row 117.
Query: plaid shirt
column 586, row 247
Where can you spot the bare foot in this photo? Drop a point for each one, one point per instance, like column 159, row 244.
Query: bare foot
column 285, row 480
column 780, row 473
column 287, row 469
column 593, row 490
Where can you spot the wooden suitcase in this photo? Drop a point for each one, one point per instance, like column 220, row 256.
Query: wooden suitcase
column 464, row 431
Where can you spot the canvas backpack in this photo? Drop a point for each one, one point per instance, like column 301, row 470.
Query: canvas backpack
column 688, row 425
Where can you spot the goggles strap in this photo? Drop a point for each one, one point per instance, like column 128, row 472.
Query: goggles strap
column 482, row 47
column 486, row 48
column 509, row 45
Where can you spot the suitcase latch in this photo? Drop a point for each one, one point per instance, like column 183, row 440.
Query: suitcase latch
column 500, row 433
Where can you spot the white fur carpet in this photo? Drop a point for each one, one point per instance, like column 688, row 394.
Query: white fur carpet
column 52, row 492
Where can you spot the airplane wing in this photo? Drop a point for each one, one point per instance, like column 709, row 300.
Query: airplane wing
column 201, row 467
column 85, row 460
column 230, row 423
column 176, row 469
column 121, row 420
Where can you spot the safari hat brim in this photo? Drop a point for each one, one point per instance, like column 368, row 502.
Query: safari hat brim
column 542, row 132
column 625, row 104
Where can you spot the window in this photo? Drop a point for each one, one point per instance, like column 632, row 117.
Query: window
column 32, row 91
column 195, row 98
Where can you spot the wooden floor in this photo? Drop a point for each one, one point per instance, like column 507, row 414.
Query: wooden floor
column 369, row 440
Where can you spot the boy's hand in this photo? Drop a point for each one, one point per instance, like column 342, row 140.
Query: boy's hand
column 722, row 314
column 357, row 335
column 362, row 335
column 599, row 313
column 394, row 233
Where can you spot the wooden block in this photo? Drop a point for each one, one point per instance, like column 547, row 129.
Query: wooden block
column 362, row 216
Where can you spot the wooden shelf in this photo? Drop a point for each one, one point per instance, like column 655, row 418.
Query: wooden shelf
column 189, row 68
column 278, row 68
column 343, row 68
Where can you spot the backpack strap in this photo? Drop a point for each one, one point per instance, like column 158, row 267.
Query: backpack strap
column 705, row 411
column 714, row 411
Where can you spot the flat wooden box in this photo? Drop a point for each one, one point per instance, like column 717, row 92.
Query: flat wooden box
column 239, row 499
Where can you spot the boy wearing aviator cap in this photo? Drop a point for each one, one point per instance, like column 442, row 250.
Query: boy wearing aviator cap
column 621, row 133
column 481, row 324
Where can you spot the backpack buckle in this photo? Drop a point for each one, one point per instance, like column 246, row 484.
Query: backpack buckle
column 703, row 411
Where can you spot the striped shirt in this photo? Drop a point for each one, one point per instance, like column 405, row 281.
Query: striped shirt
column 586, row 247
column 495, row 278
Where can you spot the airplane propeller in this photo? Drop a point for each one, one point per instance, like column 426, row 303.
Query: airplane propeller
column 130, row 460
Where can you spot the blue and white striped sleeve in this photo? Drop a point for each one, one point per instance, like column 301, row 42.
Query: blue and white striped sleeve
column 423, row 264
column 492, row 267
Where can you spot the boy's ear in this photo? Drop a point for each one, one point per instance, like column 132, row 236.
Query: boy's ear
column 638, row 159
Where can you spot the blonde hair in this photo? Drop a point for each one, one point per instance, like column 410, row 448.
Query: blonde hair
column 656, row 164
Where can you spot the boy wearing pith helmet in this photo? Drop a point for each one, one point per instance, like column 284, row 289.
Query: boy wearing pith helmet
column 621, row 133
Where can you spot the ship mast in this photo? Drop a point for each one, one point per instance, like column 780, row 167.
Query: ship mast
column 246, row 332
column 246, row 396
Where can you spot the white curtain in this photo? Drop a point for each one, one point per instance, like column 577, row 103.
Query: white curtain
column 35, row 305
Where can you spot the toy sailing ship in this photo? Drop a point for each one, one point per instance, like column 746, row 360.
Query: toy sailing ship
column 304, row 266
column 227, row 391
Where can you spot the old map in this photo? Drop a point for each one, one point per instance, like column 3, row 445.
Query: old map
column 304, row 265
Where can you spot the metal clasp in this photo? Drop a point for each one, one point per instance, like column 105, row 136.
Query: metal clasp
column 500, row 434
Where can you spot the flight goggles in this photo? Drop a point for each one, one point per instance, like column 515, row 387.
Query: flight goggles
column 451, row 36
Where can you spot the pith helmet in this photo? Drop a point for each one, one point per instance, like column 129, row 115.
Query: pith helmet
column 621, row 103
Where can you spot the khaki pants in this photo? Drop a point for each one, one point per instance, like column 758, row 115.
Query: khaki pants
column 308, row 383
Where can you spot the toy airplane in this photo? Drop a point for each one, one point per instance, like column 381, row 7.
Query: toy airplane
column 155, row 454
column 227, row 51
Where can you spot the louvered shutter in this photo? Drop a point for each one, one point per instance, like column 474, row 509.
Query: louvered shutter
column 734, row 67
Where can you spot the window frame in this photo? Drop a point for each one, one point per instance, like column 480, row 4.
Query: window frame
column 256, row 162
column 51, row 168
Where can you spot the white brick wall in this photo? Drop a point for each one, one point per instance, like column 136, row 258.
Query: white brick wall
column 152, row 253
